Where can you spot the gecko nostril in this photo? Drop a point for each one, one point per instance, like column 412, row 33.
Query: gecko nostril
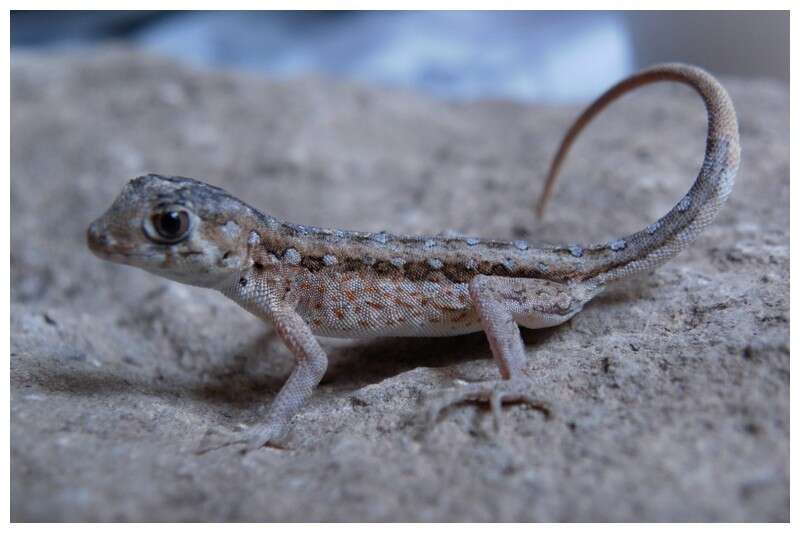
column 95, row 238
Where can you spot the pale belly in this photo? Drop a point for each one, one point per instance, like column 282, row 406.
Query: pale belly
column 351, row 306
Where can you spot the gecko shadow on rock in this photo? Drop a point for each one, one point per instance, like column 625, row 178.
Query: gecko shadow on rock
column 372, row 362
column 226, row 383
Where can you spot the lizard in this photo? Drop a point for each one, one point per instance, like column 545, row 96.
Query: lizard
column 310, row 281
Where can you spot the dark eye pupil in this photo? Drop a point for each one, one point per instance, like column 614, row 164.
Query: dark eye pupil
column 170, row 223
column 171, row 226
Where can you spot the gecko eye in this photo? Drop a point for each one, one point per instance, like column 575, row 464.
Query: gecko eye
column 171, row 225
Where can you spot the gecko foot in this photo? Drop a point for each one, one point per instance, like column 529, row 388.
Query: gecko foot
column 495, row 393
column 246, row 441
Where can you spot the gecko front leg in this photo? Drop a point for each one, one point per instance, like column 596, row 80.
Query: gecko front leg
column 266, row 291
column 310, row 365
column 311, row 362
column 502, row 304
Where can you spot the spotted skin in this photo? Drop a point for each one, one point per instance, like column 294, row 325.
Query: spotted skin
column 310, row 281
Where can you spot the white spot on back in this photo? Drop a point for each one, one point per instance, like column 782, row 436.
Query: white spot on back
column 292, row 256
column 575, row 250
column 654, row 227
column 617, row 245
column 434, row 263
column 685, row 203
column 231, row 229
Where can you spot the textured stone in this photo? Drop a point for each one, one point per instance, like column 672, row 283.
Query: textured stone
column 670, row 393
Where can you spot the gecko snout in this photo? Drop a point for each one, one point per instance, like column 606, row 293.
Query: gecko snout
column 97, row 239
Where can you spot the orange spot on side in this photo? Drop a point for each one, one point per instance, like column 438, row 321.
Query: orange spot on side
column 400, row 301
column 375, row 305
column 350, row 295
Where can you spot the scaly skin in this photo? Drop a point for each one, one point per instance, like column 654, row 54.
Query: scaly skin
column 311, row 281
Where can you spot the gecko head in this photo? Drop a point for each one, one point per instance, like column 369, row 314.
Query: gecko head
column 178, row 228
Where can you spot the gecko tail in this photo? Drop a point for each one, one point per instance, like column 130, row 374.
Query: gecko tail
column 670, row 234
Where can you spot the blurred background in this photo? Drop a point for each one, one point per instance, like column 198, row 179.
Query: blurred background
column 532, row 56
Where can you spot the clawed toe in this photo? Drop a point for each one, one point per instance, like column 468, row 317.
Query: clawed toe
column 247, row 441
column 495, row 394
column 214, row 439
column 499, row 397
column 262, row 436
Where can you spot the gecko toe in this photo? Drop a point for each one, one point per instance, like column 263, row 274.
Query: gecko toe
column 247, row 441
column 496, row 394
column 266, row 435
column 215, row 439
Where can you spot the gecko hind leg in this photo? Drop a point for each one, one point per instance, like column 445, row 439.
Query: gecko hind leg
column 502, row 304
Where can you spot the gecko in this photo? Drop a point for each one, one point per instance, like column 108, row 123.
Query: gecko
column 311, row 281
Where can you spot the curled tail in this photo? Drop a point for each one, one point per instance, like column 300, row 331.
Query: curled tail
column 674, row 231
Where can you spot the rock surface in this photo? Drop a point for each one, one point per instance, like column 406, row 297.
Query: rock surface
column 670, row 392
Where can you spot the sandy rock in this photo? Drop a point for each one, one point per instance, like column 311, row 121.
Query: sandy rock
column 670, row 392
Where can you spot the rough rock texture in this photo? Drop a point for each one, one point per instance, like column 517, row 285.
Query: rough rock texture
column 670, row 392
